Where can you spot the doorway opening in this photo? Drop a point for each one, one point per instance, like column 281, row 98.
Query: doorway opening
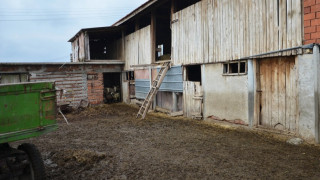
column 163, row 32
column 193, row 73
column 112, row 87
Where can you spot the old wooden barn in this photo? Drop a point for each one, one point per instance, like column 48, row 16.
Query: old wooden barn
column 248, row 62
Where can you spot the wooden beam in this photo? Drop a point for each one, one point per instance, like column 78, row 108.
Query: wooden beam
column 153, row 36
column 123, row 45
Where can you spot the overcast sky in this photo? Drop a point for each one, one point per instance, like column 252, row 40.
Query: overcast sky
column 38, row 30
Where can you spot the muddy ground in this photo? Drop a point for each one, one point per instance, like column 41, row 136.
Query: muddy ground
column 107, row 142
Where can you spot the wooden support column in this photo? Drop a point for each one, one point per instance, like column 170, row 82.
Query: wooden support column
column 153, row 36
column 174, row 102
column 123, row 45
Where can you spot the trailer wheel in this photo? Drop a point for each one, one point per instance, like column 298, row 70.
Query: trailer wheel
column 35, row 170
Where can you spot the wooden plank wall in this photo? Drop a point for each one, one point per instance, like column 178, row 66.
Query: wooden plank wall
column 223, row 30
column 75, row 48
column 116, row 49
column 137, row 48
column 74, row 85
column 78, row 50
column 82, row 54
column 192, row 106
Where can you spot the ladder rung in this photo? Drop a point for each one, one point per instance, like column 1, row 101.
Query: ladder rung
column 153, row 90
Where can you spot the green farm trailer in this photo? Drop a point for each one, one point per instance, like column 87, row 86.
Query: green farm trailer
column 26, row 110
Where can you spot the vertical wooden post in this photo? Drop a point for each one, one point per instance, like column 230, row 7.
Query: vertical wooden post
column 86, row 46
column 123, row 45
column 153, row 36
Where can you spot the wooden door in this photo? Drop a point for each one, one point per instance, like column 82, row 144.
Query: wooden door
column 192, row 99
column 278, row 103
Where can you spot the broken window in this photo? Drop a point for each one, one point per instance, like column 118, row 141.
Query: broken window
column 193, row 73
column 235, row 68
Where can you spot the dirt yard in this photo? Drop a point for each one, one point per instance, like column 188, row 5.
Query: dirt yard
column 107, row 142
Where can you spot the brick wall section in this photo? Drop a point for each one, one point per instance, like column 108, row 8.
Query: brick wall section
column 95, row 88
column 311, row 21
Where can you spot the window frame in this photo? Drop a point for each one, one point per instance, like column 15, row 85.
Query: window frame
column 226, row 71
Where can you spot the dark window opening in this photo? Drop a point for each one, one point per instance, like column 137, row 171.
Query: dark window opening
column 179, row 5
column 225, row 68
column 105, row 45
column 242, row 67
column 112, row 87
column 130, row 75
column 193, row 73
column 163, row 32
column 235, row 68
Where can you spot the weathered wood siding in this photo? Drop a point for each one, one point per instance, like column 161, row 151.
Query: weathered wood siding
column 223, row 30
column 278, row 102
column 71, row 78
column 137, row 48
column 192, row 99
column 78, row 49
column 73, row 84
column 116, row 50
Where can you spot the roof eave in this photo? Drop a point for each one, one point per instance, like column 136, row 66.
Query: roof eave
column 94, row 29
column 135, row 12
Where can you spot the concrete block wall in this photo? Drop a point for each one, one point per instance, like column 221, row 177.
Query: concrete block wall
column 311, row 21
column 95, row 87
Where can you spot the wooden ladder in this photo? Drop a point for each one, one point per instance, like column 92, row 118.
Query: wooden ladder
column 154, row 89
